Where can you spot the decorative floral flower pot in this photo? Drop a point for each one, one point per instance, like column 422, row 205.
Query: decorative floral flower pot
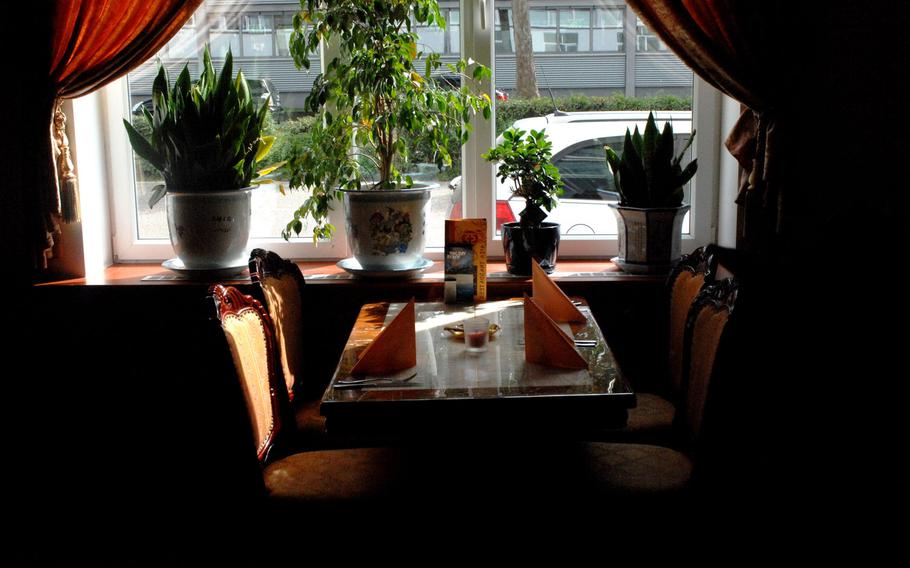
column 210, row 229
column 387, row 229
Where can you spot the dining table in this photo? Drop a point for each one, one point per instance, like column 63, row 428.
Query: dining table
column 455, row 391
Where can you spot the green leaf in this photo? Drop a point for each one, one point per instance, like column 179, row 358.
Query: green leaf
column 158, row 192
column 265, row 144
column 224, row 80
column 143, row 148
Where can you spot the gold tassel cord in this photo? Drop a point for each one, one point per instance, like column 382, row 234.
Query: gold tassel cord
column 67, row 184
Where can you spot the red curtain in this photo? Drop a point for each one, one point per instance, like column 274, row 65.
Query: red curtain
column 738, row 47
column 91, row 42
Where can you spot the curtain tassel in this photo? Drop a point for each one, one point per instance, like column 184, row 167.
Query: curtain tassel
column 67, row 184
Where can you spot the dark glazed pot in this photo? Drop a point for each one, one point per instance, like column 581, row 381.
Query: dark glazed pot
column 522, row 246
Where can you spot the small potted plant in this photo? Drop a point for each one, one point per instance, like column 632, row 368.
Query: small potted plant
column 372, row 104
column 525, row 161
column 649, row 215
column 206, row 137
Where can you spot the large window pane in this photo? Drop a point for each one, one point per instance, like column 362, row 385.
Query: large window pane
column 646, row 40
column 224, row 35
column 432, row 39
column 575, row 29
column 183, row 45
column 284, row 25
column 257, row 36
column 544, row 30
column 504, row 37
column 579, row 60
column 577, row 56
column 454, row 30
column 608, row 30
column 420, row 165
column 248, row 36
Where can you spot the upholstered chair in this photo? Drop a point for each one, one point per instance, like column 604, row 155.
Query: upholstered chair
column 651, row 421
column 326, row 477
column 634, row 470
column 284, row 290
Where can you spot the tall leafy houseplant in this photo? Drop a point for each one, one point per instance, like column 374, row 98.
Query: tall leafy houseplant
column 649, row 177
column 372, row 102
column 206, row 138
column 524, row 159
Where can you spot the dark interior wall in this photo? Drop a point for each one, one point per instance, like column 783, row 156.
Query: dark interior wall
column 824, row 362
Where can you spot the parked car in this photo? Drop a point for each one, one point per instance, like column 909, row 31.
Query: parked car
column 454, row 81
column 578, row 151
column 259, row 89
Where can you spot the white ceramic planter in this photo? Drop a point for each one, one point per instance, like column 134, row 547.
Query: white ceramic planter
column 387, row 229
column 210, row 229
column 649, row 239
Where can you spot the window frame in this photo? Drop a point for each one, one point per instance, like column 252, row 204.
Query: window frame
column 477, row 43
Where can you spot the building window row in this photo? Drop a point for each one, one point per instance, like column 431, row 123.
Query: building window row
column 553, row 30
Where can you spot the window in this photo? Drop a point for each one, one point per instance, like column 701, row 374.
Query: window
column 284, row 25
column 224, row 35
column 183, row 45
column 544, row 30
column 575, row 30
column 578, row 49
column 454, row 31
column 504, row 36
column 432, row 39
column 607, row 33
column 646, row 40
column 257, row 36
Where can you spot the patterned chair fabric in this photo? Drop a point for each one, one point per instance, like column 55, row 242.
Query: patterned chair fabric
column 284, row 290
column 282, row 286
column 248, row 331
column 685, row 281
column 331, row 476
column 706, row 326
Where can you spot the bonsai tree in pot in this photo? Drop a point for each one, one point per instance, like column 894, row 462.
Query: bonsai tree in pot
column 525, row 161
column 206, row 137
column 371, row 103
column 649, row 215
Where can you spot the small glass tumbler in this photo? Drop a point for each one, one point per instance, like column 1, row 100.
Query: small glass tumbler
column 476, row 334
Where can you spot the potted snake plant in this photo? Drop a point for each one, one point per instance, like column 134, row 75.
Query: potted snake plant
column 649, row 177
column 373, row 102
column 206, row 138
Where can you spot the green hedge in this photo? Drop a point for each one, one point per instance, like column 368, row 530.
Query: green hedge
column 290, row 136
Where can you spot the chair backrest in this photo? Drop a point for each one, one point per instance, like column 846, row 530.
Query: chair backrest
column 282, row 286
column 707, row 331
column 686, row 279
column 248, row 330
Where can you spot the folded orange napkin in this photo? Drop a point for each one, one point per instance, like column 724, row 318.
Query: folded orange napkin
column 545, row 343
column 394, row 349
column 551, row 299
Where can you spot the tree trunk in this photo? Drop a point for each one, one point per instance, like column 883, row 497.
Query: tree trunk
column 525, row 74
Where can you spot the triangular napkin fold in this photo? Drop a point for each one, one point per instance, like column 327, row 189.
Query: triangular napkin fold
column 551, row 299
column 545, row 343
column 394, row 349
